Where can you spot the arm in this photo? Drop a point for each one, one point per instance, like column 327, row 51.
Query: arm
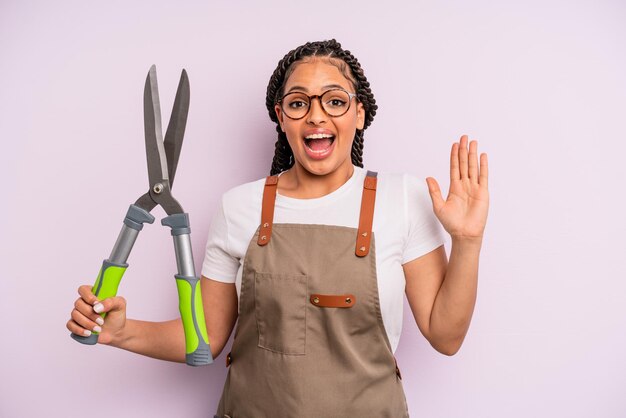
column 160, row 340
column 442, row 295
column 166, row 340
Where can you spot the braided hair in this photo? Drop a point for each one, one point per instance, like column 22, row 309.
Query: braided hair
column 348, row 65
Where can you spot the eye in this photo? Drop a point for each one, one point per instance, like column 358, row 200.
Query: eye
column 336, row 99
column 336, row 102
column 296, row 101
column 297, row 104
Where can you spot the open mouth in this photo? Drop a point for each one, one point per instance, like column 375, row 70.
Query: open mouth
column 319, row 143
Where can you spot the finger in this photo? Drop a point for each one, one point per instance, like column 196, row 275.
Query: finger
column 85, row 322
column 87, row 311
column 435, row 193
column 454, row 163
column 77, row 329
column 85, row 292
column 116, row 303
column 463, row 157
column 484, row 170
column 83, row 307
column 473, row 161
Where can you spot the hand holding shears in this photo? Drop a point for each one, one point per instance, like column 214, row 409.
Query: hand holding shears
column 162, row 156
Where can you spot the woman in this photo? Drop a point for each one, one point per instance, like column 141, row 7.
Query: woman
column 317, row 286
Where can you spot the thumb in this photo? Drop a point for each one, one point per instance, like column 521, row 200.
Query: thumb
column 435, row 193
column 115, row 303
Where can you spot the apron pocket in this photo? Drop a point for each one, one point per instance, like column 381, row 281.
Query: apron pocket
column 280, row 307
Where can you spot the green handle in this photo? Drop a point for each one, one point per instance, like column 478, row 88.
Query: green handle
column 197, row 348
column 106, row 286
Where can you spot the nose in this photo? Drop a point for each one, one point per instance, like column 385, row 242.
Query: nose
column 316, row 115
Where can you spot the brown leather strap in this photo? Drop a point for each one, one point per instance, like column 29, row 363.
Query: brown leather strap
column 366, row 217
column 333, row 301
column 267, row 209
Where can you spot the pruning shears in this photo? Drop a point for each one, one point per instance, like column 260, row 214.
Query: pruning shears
column 162, row 158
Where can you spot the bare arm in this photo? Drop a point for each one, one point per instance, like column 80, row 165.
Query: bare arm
column 442, row 295
column 160, row 340
column 166, row 340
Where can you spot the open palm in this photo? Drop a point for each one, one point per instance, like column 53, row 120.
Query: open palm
column 464, row 212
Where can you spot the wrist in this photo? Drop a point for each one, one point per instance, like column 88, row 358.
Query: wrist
column 122, row 337
column 467, row 241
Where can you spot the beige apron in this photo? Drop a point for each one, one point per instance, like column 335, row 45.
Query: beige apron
column 310, row 340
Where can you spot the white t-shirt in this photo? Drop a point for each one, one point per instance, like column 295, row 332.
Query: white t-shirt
column 404, row 225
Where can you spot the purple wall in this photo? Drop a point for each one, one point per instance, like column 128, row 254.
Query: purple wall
column 540, row 85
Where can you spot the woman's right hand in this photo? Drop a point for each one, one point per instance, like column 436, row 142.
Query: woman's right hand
column 85, row 316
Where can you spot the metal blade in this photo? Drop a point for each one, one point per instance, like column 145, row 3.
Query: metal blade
column 146, row 202
column 176, row 128
column 155, row 152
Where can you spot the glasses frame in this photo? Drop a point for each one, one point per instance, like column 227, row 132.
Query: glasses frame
column 319, row 98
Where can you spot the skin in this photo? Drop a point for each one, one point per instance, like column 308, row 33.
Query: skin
column 309, row 178
column 441, row 294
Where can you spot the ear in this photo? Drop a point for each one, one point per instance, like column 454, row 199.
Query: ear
column 279, row 115
column 360, row 116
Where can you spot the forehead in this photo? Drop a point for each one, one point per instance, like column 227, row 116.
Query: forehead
column 316, row 75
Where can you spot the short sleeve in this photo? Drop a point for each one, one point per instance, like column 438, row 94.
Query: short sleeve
column 424, row 232
column 219, row 264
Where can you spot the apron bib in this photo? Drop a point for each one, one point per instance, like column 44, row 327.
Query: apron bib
column 310, row 340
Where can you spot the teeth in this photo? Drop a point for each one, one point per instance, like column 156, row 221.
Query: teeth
column 318, row 136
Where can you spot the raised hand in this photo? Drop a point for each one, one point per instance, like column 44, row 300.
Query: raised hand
column 464, row 212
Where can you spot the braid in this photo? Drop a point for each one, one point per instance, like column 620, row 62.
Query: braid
column 283, row 156
column 357, row 149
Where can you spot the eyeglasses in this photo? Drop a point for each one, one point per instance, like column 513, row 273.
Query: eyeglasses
column 297, row 105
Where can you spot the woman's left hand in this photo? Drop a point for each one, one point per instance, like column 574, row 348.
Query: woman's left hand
column 464, row 212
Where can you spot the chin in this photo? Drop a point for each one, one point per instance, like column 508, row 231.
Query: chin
column 317, row 168
column 323, row 167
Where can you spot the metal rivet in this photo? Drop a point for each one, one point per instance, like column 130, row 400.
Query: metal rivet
column 364, row 234
column 348, row 300
column 158, row 188
column 263, row 237
column 362, row 249
column 265, row 225
column 316, row 300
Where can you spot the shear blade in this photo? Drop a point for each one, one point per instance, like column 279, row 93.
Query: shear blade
column 155, row 151
column 176, row 127
column 162, row 156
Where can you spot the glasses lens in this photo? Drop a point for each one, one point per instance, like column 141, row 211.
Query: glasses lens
column 295, row 105
column 336, row 102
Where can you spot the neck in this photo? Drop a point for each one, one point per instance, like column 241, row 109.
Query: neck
column 299, row 183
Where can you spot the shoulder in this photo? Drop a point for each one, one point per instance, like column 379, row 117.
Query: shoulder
column 243, row 193
column 402, row 195
column 242, row 202
column 400, row 184
column 240, row 212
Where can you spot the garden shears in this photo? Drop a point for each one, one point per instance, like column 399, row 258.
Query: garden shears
column 162, row 155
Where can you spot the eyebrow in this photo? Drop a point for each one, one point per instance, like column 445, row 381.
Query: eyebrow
column 326, row 87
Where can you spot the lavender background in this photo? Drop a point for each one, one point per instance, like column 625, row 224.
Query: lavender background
column 540, row 85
